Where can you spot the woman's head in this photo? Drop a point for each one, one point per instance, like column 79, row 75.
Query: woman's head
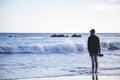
column 92, row 31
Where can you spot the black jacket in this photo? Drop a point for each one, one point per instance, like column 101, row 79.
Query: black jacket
column 93, row 44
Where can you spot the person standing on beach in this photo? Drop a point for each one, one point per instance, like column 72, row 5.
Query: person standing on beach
column 94, row 49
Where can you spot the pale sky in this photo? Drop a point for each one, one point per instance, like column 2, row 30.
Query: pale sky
column 59, row 15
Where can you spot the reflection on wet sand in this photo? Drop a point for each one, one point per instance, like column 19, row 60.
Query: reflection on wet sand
column 94, row 77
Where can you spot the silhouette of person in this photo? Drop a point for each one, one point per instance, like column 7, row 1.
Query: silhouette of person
column 94, row 49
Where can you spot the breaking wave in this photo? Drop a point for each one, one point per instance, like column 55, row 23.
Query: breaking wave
column 65, row 47
column 44, row 48
column 111, row 45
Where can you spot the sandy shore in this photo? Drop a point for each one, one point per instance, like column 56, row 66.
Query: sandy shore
column 93, row 77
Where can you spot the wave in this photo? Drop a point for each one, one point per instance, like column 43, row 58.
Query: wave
column 43, row 48
column 66, row 47
column 111, row 45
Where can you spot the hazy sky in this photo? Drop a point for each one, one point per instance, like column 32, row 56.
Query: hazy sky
column 59, row 15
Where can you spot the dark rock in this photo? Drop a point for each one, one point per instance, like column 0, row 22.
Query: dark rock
column 9, row 36
column 54, row 35
column 67, row 36
column 57, row 35
column 76, row 35
column 61, row 35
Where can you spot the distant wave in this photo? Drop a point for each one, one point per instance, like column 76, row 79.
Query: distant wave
column 65, row 47
column 111, row 45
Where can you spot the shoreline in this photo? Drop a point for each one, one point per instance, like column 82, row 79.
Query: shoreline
column 92, row 77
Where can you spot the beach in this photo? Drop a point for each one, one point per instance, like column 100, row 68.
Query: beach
column 93, row 77
column 31, row 56
column 59, row 39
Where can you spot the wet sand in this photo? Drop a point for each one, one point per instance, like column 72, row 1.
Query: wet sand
column 92, row 77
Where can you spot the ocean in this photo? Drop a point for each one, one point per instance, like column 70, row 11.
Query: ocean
column 37, row 55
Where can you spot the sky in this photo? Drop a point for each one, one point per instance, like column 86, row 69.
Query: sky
column 69, row 16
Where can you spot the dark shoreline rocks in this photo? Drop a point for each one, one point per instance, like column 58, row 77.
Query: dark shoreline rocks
column 12, row 36
column 62, row 35
column 76, row 35
column 57, row 35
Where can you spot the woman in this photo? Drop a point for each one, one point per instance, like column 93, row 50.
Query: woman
column 94, row 49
